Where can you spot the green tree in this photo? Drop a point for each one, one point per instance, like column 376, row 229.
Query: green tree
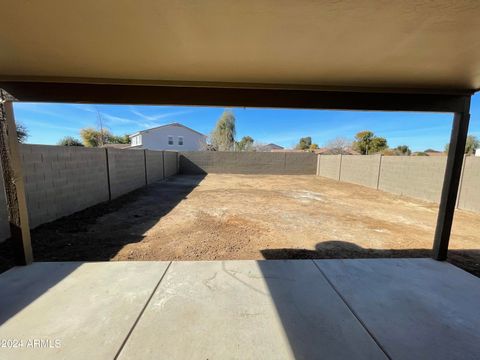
column 471, row 145
column 403, row 150
column 313, row 147
column 245, row 144
column 22, row 133
column 367, row 143
column 69, row 141
column 122, row 139
column 304, row 143
column 93, row 138
column 223, row 136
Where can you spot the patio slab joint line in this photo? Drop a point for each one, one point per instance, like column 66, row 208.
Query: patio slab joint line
column 353, row 311
column 141, row 312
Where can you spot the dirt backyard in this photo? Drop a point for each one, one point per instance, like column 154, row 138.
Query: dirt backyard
column 255, row 217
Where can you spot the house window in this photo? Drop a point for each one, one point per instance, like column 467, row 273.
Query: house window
column 170, row 140
column 180, row 140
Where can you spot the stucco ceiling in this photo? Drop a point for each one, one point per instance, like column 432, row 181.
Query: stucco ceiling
column 372, row 43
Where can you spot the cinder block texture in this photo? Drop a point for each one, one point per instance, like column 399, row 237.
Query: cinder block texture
column 329, row 166
column 62, row 180
column 300, row 163
column 416, row 176
column 127, row 170
column 470, row 186
column 247, row 163
column 4, row 227
column 154, row 165
column 360, row 169
column 171, row 163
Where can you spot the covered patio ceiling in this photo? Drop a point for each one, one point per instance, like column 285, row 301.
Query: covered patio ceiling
column 402, row 45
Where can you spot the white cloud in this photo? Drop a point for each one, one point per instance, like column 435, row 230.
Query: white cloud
column 159, row 116
column 37, row 108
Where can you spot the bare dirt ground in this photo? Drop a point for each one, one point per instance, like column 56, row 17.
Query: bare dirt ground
column 255, row 217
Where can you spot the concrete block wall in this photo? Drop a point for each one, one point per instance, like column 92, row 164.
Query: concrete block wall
column 420, row 177
column 127, row 171
column 329, row 166
column 415, row 176
column 155, row 165
column 247, row 163
column 62, row 180
column 360, row 169
column 171, row 163
column 469, row 194
column 300, row 163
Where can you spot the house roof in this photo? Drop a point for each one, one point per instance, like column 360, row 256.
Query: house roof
column 166, row 125
column 273, row 146
column 364, row 44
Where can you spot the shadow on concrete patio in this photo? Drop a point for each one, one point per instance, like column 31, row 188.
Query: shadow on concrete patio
column 25, row 286
column 466, row 259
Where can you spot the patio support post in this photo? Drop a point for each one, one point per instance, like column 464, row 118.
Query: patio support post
column 451, row 182
column 13, row 181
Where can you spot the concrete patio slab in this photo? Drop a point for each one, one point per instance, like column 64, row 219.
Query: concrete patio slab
column 72, row 310
column 282, row 309
column 415, row 308
column 248, row 310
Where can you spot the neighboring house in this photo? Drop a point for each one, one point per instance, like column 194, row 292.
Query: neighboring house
column 431, row 152
column 173, row 136
column 477, row 152
column 271, row 147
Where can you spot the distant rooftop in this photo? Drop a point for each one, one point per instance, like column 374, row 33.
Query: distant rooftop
column 162, row 126
column 271, row 147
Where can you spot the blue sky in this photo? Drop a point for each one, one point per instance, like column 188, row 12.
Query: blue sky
column 47, row 123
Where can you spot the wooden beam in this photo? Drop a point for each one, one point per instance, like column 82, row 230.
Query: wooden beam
column 451, row 183
column 13, row 180
column 189, row 94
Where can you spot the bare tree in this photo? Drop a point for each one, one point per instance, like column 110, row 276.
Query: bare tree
column 339, row 145
column 102, row 137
